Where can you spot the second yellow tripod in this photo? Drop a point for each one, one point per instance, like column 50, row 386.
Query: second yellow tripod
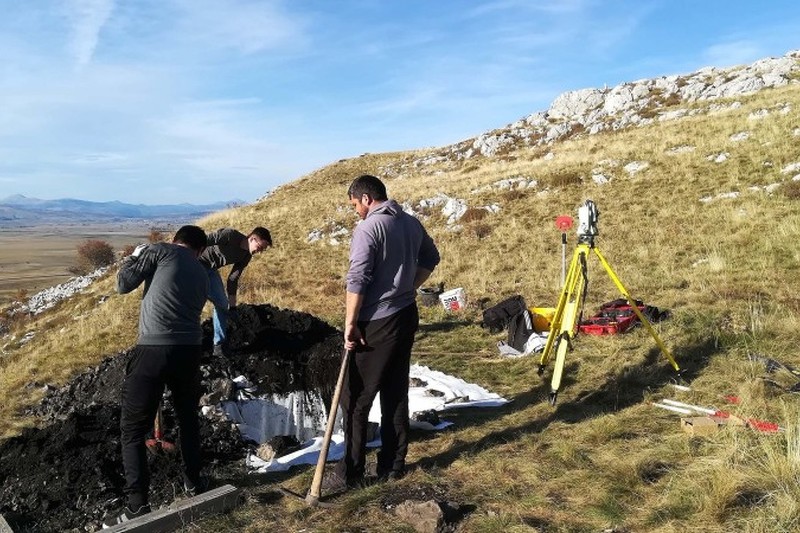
column 564, row 325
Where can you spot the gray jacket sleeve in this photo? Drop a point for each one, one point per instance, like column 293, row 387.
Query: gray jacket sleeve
column 134, row 270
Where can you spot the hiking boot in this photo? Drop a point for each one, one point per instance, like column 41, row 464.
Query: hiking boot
column 380, row 475
column 194, row 488
column 126, row 515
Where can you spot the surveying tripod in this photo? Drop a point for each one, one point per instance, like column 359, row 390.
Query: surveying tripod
column 564, row 325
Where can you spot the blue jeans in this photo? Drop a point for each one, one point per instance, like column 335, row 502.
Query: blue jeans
column 218, row 297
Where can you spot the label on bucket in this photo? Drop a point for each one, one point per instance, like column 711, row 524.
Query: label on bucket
column 453, row 300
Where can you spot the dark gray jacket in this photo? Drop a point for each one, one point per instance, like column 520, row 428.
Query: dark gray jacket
column 175, row 291
column 387, row 248
column 225, row 248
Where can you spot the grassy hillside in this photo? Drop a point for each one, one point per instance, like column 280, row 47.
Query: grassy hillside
column 602, row 458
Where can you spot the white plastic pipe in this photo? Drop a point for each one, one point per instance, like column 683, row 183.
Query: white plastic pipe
column 673, row 408
column 705, row 410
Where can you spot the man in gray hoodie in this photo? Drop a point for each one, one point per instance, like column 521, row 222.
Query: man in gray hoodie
column 167, row 352
column 391, row 255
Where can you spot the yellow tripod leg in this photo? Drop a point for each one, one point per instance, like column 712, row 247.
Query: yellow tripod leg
column 569, row 322
column 555, row 323
column 636, row 310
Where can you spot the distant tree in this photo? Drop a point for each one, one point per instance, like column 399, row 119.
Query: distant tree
column 93, row 254
column 156, row 235
column 128, row 250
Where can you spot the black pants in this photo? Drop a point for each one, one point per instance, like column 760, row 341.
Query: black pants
column 150, row 368
column 382, row 367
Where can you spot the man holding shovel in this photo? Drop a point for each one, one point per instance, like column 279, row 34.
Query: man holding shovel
column 168, row 353
column 391, row 256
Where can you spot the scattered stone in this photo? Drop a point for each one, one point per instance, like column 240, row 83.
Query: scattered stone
column 721, row 196
column 433, row 392
column 221, row 390
column 635, row 166
column 600, row 179
column 714, row 109
column 44, row 300
column 417, row 382
column 424, row 517
column 683, row 149
column 792, row 167
column 428, row 417
column 758, row 114
column 719, row 158
column 738, row 137
column 277, row 446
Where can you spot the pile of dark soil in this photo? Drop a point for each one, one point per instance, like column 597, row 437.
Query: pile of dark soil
column 68, row 474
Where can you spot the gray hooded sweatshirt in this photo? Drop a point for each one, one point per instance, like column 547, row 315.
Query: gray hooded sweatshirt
column 175, row 290
column 387, row 248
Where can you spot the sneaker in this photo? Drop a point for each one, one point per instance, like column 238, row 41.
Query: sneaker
column 126, row 515
column 193, row 489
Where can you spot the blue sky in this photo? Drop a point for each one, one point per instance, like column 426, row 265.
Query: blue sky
column 170, row 101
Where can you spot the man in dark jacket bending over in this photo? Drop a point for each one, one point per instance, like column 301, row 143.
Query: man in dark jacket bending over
column 227, row 246
column 167, row 353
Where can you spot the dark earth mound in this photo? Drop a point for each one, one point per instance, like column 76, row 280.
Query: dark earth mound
column 67, row 474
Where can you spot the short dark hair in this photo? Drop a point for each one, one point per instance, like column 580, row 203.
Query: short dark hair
column 263, row 234
column 369, row 185
column 191, row 236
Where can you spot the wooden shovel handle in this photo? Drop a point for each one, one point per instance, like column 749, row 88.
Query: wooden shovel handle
column 312, row 498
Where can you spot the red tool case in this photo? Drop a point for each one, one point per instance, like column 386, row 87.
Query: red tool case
column 614, row 317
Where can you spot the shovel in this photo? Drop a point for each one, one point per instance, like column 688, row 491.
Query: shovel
column 157, row 444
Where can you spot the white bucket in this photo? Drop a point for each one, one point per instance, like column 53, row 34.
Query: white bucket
column 454, row 299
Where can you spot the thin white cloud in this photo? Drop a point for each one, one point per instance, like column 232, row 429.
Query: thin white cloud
column 88, row 18
column 732, row 53
column 546, row 6
column 246, row 26
column 100, row 158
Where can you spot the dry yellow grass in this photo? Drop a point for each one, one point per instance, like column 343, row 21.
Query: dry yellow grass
column 602, row 458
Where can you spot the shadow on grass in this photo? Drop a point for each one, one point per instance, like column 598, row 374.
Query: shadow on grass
column 618, row 392
column 442, row 326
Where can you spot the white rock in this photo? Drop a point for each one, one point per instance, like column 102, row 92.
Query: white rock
column 635, row 166
column 741, row 136
column 792, row 167
column 683, row 149
column 454, row 209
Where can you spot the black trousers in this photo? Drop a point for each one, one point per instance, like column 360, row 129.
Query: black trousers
column 382, row 367
column 148, row 371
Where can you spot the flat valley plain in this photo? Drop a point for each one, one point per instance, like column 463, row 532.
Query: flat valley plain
column 35, row 258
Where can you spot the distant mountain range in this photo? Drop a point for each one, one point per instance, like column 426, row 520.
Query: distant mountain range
column 18, row 210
